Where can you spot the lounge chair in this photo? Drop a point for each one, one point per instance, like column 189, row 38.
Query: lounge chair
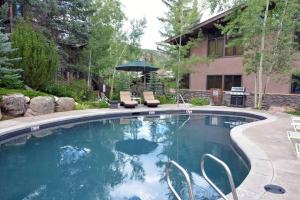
column 294, row 138
column 296, row 123
column 149, row 99
column 125, row 98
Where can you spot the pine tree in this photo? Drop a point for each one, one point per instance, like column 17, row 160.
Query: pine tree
column 5, row 49
column 39, row 57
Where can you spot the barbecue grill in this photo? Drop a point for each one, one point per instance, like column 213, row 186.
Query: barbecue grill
column 238, row 96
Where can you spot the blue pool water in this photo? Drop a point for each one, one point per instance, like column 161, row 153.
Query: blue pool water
column 120, row 159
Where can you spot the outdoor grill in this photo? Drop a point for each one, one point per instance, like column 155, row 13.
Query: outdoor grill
column 238, row 96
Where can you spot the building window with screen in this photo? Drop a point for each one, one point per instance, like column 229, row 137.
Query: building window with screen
column 295, row 84
column 232, row 81
column 216, row 47
column 233, row 50
column 214, row 82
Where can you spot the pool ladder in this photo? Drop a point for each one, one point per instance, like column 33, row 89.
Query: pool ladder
column 189, row 183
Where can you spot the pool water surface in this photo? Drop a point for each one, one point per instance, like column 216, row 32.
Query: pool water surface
column 121, row 159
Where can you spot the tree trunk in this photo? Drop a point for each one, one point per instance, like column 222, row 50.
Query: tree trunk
column 255, row 90
column 262, row 54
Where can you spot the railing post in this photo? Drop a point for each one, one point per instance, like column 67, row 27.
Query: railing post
column 228, row 172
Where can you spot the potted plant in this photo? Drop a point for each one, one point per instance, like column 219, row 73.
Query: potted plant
column 114, row 101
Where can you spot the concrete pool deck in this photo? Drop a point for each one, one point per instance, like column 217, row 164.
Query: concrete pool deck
column 272, row 158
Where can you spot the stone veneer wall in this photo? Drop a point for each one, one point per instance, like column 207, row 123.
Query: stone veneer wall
column 280, row 100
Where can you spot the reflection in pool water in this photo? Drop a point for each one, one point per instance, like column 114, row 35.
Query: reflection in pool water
column 120, row 159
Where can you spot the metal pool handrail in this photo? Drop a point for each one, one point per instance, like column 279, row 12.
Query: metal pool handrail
column 228, row 172
column 186, row 176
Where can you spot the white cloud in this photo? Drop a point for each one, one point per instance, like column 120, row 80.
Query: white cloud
column 150, row 9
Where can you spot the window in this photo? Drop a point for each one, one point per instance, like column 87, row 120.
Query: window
column 232, row 81
column 216, row 47
column 295, row 84
column 233, row 50
column 214, row 82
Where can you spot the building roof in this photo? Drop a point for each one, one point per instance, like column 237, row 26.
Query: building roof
column 209, row 23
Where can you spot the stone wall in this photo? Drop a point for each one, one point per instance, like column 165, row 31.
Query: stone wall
column 279, row 100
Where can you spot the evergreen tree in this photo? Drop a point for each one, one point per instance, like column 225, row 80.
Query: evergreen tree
column 5, row 49
column 39, row 57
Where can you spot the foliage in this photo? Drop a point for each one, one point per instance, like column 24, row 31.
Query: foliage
column 39, row 58
column 5, row 49
column 76, row 89
column 11, row 78
column 90, row 105
column 199, row 102
column 181, row 16
column 153, row 81
column 122, row 83
column 167, row 99
column 29, row 93
column 265, row 29
column 294, row 113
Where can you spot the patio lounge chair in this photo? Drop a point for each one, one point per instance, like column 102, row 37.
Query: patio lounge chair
column 149, row 99
column 125, row 98
column 296, row 123
column 294, row 138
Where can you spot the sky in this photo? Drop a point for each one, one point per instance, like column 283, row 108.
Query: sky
column 150, row 9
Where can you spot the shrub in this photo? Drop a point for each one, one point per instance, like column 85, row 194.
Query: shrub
column 11, row 78
column 167, row 99
column 76, row 89
column 89, row 105
column 199, row 102
column 39, row 57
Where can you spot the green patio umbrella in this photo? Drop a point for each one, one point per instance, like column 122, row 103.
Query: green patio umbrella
column 137, row 66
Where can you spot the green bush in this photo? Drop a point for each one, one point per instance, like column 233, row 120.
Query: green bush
column 167, row 99
column 89, row 105
column 39, row 58
column 29, row 93
column 76, row 89
column 11, row 78
column 199, row 102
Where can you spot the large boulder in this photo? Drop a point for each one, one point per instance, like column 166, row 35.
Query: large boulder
column 40, row 106
column 64, row 104
column 14, row 104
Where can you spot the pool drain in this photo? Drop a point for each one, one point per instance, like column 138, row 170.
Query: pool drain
column 274, row 189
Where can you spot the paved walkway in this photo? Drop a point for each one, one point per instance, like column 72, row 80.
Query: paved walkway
column 272, row 158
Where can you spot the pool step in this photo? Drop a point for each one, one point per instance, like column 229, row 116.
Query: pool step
column 188, row 179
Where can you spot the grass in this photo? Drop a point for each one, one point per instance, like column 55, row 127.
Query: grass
column 29, row 93
column 294, row 113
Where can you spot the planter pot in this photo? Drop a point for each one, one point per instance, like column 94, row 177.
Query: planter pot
column 114, row 104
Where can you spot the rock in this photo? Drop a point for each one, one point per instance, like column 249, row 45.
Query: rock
column 64, row 104
column 14, row 104
column 27, row 100
column 40, row 106
column 55, row 98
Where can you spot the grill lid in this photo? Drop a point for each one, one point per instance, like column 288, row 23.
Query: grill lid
column 238, row 89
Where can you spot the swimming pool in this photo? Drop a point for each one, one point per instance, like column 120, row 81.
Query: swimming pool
column 121, row 158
